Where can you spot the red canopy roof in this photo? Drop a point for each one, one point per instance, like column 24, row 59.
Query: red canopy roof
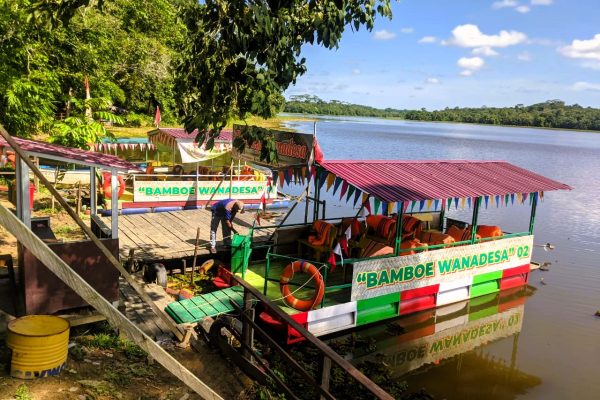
column 395, row 181
column 71, row 155
column 180, row 133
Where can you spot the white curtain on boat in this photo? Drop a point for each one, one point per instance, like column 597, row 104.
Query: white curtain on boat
column 191, row 153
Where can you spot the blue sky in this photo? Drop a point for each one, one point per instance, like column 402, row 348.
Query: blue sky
column 447, row 53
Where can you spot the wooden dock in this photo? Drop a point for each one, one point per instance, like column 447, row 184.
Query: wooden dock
column 172, row 235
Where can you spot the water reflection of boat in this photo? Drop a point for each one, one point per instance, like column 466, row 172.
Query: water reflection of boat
column 450, row 340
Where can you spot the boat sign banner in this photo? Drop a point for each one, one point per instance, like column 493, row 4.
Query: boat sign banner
column 372, row 278
column 150, row 191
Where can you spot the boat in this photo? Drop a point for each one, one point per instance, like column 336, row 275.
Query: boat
column 179, row 174
column 407, row 249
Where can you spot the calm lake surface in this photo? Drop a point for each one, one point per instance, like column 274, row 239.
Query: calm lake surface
column 555, row 351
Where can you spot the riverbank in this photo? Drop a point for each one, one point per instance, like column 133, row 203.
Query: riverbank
column 317, row 117
column 277, row 122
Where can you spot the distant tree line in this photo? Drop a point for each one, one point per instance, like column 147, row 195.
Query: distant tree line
column 549, row 114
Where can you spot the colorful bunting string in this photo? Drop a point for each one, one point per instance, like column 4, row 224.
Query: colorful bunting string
column 377, row 203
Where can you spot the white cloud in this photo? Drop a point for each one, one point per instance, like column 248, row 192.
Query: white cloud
column 356, row 71
column 523, row 9
column 427, row 39
column 384, row 34
column 407, row 29
column 471, row 63
column 432, row 81
column 586, row 86
column 524, row 56
column 541, row 2
column 466, row 72
column 504, row 4
column 583, row 49
column 469, row 35
column 485, row 51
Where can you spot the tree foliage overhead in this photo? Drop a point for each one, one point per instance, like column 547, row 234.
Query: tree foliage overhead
column 240, row 55
column 48, row 47
column 549, row 114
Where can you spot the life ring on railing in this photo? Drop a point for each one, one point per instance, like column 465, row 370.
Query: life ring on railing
column 288, row 297
column 106, row 187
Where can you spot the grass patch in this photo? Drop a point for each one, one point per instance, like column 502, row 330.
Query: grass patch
column 22, row 393
column 110, row 341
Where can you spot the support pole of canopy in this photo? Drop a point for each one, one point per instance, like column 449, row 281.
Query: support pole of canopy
column 230, row 177
column 317, row 199
column 475, row 216
column 533, row 208
column 307, row 195
column 114, row 204
column 22, row 191
column 399, row 229
column 442, row 214
column 93, row 194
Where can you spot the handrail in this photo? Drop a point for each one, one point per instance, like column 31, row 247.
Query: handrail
column 367, row 383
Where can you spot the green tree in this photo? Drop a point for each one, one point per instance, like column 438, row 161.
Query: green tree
column 239, row 54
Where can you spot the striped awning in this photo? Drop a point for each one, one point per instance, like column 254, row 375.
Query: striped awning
column 395, row 181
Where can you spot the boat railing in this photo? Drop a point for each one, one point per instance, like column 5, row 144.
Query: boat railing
column 251, row 331
column 325, row 267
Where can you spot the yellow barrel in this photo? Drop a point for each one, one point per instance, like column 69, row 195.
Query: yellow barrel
column 39, row 345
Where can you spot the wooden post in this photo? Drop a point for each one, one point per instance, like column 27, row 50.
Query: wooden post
column 195, row 255
column 86, row 229
column 114, row 204
column 247, row 331
column 63, row 271
column 325, row 370
column 78, row 203
column 22, row 177
column 93, row 194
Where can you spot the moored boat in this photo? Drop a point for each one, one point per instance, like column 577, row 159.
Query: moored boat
column 403, row 252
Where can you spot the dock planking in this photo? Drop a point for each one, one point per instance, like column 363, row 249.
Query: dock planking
column 172, row 235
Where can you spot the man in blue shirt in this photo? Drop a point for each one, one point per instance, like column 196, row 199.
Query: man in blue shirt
column 223, row 212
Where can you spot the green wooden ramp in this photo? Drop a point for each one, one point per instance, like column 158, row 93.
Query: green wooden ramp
column 206, row 305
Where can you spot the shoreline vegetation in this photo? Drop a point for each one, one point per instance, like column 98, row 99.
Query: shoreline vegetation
column 552, row 114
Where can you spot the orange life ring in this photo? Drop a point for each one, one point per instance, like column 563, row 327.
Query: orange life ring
column 106, row 186
column 288, row 297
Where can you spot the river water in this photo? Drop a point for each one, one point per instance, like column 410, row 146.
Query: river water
column 558, row 343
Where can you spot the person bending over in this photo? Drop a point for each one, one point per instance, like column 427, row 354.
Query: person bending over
column 223, row 212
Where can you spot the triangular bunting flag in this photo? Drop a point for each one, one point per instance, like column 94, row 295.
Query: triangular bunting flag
column 524, row 197
column 405, row 206
column 429, row 203
column 421, row 205
column 456, row 202
column 436, row 204
column 542, row 196
column 449, row 201
column 330, row 180
column 390, row 208
column 377, row 204
column 281, row 178
column 343, row 243
column 344, row 189
column 487, row 199
column 497, row 201
column 469, row 200
column 350, row 192
column 336, row 185
column 322, row 178
column 412, row 206
column 512, row 198
column 367, row 204
column 463, row 200
column 286, row 176
column 357, row 194
column 331, row 260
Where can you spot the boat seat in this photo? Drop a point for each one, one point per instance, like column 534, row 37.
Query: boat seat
column 320, row 240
